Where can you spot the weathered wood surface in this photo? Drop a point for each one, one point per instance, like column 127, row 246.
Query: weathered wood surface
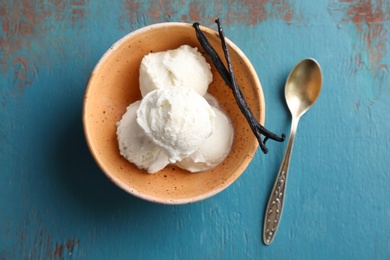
column 56, row 204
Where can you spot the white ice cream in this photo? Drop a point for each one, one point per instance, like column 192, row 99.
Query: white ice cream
column 184, row 66
column 177, row 119
column 135, row 146
column 215, row 149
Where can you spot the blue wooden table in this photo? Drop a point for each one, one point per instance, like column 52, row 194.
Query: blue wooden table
column 55, row 203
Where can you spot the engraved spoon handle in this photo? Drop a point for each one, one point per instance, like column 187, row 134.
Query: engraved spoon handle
column 273, row 211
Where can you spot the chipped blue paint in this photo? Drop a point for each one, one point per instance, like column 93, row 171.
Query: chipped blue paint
column 56, row 204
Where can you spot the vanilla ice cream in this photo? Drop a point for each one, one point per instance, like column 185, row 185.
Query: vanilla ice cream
column 184, row 66
column 135, row 146
column 215, row 149
column 177, row 119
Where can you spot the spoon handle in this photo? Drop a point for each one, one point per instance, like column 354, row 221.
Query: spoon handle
column 275, row 204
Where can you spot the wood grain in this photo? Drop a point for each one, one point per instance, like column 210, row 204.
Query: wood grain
column 55, row 203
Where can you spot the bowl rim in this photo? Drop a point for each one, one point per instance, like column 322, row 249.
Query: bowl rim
column 246, row 161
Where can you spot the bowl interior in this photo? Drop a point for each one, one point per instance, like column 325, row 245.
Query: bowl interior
column 113, row 85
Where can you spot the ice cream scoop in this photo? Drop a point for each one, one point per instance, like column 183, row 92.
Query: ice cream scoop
column 184, row 66
column 135, row 146
column 177, row 119
column 215, row 149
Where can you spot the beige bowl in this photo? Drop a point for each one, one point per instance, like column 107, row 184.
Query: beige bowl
column 113, row 85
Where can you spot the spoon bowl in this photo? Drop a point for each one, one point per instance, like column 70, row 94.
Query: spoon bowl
column 303, row 86
column 302, row 89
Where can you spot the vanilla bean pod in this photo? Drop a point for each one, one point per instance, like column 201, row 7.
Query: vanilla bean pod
column 268, row 134
column 229, row 78
column 213, row 55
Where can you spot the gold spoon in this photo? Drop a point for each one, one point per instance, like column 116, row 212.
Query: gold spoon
column 302, row 89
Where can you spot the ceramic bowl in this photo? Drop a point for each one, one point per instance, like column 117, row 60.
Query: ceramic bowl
column 113, row 85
